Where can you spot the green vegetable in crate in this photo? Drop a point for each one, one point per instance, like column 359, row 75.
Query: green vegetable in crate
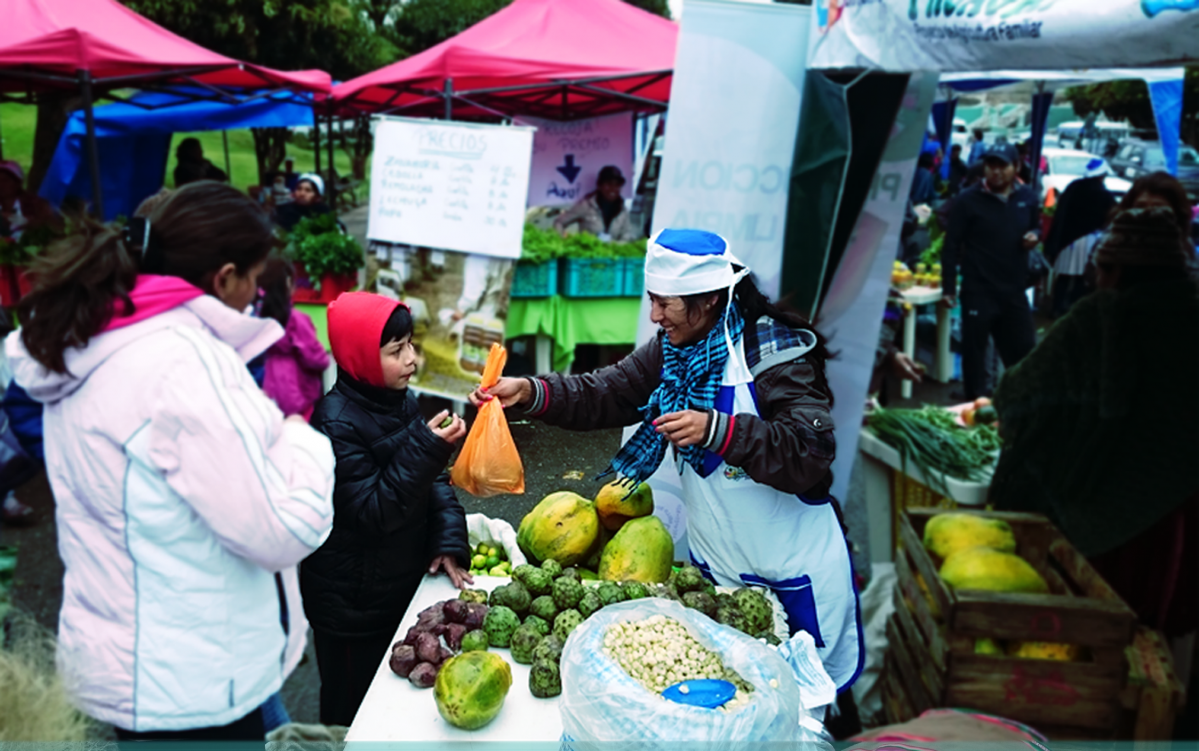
column 500, row 623
column 514, row 596
column 634, row 590
column 545, row 679
column 544, row 607
column 567, row 592
column 551, row 567
column 524, row 640
column 590, row 603
column 475, row 641
column 471, row 688
column 474, row 595
column 756, row 608
column 610, row 593
column 567, row 621
column 550, row 648
column 930, row 439
column 542, row 625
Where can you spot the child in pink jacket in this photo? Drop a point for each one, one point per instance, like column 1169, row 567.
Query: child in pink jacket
column 295, row 363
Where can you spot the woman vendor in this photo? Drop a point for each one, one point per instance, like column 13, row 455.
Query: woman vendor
column 1098, row 422
column 736, row 387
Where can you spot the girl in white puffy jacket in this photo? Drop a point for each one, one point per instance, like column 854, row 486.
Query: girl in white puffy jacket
column 180, row 488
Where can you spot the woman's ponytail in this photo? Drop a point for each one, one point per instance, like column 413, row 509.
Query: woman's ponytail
column 78, row 283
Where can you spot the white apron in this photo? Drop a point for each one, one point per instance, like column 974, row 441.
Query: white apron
column 743, row 533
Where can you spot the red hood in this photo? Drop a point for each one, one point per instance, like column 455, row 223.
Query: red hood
column 356, row 321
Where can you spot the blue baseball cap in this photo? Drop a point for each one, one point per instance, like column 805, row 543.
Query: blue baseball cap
column 1004, row 152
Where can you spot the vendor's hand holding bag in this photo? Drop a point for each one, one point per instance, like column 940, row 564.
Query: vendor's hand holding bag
column 489, row 463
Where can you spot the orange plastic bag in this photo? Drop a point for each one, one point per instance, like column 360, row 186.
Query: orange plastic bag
column 489, row 463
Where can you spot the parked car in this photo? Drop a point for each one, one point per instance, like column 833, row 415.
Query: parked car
column 1137, row 157
column 1064, row 166
column 1107, row 135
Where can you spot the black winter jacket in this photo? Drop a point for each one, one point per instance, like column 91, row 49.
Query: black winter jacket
column 393, row 511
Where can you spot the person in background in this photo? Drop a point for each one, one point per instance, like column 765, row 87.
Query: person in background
column 191, row 166
column 924, row 190
column 992, row 226
column 290, row 176
column 601, row 212
column 21, row 210
column 396, row 518
column 1082, row 213
column 180, row 488
column 295, row 363
column 957, row 169
column 978, row 148
column 307, row 200
column 734, row 390
column 1105, row 446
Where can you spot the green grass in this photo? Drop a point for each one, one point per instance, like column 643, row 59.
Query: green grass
column 18, row 121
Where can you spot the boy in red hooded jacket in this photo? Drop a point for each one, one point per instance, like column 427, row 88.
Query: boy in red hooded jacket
column 395, row 515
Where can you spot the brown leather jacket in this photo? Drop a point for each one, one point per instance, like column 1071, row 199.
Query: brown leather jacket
column 790, row 447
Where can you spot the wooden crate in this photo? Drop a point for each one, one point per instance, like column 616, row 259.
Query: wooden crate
column 933, row 632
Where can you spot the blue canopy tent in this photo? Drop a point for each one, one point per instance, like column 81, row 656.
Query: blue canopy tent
column 134, row 139
column 1165, row 91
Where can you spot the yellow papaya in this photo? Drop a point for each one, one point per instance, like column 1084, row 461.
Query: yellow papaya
column 946, row 534
column 563, row 527
column 616, row 505
column 990, row 569
column 1044, row 650
column 642, row 550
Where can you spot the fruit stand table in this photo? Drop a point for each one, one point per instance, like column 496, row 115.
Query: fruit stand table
column 881, row 464
column 942, row 358
column 395, row 710
column 571, row 321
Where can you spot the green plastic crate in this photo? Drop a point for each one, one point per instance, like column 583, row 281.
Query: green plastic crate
column 632, row 275
column 535, row 280
column 591, row 277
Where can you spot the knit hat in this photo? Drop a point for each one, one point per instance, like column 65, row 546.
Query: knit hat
column 356, row 321
column 682, row 262
column 316, row 181
column 1144, row 237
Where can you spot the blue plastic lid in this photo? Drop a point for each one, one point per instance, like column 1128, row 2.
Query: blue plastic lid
column 705, row 692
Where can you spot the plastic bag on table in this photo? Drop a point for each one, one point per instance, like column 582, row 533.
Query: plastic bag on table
column 604, row 709
column 481, row 528
column 489, row 463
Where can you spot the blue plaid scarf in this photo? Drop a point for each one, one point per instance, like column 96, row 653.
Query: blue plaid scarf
column 691, row 378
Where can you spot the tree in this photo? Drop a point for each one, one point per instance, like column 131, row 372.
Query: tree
column 1128, row 100
column 337, row 36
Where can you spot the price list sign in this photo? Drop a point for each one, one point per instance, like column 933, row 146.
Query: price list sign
column 453, row 186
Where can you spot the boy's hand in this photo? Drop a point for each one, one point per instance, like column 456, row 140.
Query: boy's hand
column 449, row 428
column 458, row 576
column 508, row 390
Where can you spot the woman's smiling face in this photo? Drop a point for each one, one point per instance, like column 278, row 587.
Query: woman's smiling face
column 682, row 327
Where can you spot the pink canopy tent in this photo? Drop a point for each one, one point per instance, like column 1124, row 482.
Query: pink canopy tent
column 96, row 46
column 556, row 59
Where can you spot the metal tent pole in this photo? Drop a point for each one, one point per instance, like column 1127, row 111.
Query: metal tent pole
column 228, row 168
column 93, row 152
column 316, row 141
column 449, row 98
column 331, row 188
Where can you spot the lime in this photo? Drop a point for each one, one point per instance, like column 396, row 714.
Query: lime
column 492, row 561
column 479, row 561
column 493, row 552
column 497, row 571
column 481, row 548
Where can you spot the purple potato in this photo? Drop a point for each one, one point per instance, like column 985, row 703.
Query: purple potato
column 475, row 614
column 428, row 648
column 456, row 611
column 427, row 620
column 423, row 675
column 440, row 629
column 445, row 655
column 411, row 636
column 403, row 659
column 453, row 635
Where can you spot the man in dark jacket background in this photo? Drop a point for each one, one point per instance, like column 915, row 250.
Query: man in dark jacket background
column 992, row 226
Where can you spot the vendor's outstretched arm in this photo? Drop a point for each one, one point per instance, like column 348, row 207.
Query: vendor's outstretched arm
column 790, row 447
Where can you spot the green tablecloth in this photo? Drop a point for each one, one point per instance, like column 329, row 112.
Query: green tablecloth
column 571, row 321
column 320, row 319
